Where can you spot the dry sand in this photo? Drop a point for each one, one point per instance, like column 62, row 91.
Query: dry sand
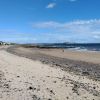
column 25, row 79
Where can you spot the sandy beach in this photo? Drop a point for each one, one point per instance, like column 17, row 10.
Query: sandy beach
column 81, row 63
column 29, row 74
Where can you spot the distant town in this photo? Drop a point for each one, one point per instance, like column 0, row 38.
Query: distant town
column 6, row 43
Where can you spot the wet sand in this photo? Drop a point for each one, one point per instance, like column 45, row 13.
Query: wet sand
column 25, row 79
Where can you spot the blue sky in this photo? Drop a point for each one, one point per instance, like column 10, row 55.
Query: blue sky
column 36, row 21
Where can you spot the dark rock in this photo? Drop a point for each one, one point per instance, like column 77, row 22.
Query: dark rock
column 49, row 99
column 55, row 81
column 51, row 91
column 6, row 85
column 85, row 73
column 34, row 97
column 30, row 88
column 67, row 97
column 75, row 89
column 94, row 87
column 18, row 76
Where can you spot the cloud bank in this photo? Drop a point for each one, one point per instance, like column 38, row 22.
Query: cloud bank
column 81, row 30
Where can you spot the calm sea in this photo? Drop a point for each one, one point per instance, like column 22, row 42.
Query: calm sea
column 75, row 46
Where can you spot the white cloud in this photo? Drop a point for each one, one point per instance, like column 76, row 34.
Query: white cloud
column 97, row 37
column 50, row 24
column 51, row 5
column 78, row 26
column 79, row 29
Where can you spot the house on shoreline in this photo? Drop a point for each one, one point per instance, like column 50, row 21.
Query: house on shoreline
column 4, row 43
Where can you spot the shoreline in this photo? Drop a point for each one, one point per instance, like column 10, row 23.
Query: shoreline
column 88, row 69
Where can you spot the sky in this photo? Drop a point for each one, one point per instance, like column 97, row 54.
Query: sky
column 50, row 21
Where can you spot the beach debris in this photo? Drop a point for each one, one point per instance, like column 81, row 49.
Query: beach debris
column 51, row 91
